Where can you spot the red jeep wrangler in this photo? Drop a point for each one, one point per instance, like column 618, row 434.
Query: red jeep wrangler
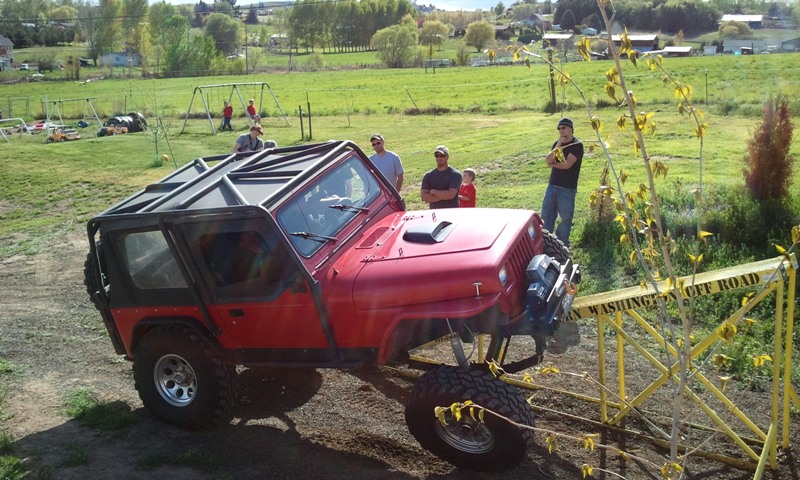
column 306, row 257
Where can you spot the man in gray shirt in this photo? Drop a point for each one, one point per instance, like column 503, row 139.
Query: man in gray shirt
column 387, row 162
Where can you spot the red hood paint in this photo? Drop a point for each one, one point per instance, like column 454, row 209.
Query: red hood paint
column 398, row 272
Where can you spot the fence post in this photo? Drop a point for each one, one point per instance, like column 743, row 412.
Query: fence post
column 302, row 131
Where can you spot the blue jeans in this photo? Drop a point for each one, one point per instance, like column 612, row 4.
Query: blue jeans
column 559, row 201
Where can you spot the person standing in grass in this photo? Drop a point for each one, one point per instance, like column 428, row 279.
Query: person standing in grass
column 440, row 186
column 564, row 160
column 466, row 195
column 227, row 113
column 251, row 109
column 387, row 162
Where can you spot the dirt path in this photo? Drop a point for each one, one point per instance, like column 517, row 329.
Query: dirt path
column 288, row 424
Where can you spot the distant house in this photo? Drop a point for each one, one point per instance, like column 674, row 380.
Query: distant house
column 743, row 47
column 791, row 45
column 556, row 39
column 678, row 51
column 503, row 32
column 119, row 59
column 6, row 52
column 753, row 21
column 278, row 40
column 641, row 43
column 710, row 50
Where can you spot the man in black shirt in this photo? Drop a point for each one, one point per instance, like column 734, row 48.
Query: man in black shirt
column 559, row 198
column 440, row 185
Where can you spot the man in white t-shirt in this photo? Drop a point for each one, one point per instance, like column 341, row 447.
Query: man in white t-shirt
column 387, row 162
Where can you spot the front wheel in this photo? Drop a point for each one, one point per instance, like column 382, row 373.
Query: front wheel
column 490, row 446
column 181, row 380
column 555, row 248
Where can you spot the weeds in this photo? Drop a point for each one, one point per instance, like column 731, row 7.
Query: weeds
column 82, row 405
column 11, row 466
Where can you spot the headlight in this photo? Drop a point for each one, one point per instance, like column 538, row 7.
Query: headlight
column 503, row 275
column 531, row 231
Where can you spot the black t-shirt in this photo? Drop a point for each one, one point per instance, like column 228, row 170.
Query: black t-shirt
column 568, row 178
column 443, row 180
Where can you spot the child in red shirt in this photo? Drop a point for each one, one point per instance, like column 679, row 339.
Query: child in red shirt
column 251, row 109
column 466, row 195
column 227, row 113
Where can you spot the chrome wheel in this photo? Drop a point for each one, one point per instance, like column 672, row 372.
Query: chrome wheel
column 466, row 435
column 175, row 380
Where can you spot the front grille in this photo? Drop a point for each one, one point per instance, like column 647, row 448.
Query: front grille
column 518, row 262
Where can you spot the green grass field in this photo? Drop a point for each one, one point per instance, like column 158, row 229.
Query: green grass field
column 496, row 126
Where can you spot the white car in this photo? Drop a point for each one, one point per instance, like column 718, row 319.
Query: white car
column 23, row 66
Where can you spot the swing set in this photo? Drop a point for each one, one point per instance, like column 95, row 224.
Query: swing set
column 205, row 91
column 54, row 108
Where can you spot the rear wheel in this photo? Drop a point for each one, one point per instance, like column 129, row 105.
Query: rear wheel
column 181, row 380
column 555, row 248
column 490, row 446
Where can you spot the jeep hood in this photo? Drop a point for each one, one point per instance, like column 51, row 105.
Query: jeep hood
column 435, row 255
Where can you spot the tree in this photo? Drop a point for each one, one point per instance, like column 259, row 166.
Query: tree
column 133, row 16
column 157, row 17
column 734, row 30
column 227, row 33
column 107, row 28
column 567, row 20
column 396, row 45
column 64, row 13
column 499, row 9
column 769, row 165
column 252, row 16
column 186, row 54
column 479, row 34
column 433, row 34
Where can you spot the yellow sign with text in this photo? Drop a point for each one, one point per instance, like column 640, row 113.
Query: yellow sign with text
column 740, row 276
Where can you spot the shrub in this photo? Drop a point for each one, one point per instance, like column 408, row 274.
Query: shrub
column 738, row 219
column 768, row 173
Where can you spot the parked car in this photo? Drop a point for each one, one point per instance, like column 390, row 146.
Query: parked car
column 305, row 256
column 23, row 66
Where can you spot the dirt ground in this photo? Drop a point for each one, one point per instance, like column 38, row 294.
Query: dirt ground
column 310, row 424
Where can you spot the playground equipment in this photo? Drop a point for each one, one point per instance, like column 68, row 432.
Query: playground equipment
column 54, row 108
column 19, row 127
column 235, row 88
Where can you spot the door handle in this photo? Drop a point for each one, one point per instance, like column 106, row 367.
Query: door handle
column 236, row 312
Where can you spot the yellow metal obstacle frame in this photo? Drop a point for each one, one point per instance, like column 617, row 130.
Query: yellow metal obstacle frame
column 765, row 277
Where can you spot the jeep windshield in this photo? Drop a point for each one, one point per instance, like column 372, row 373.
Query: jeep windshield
column 326, row 206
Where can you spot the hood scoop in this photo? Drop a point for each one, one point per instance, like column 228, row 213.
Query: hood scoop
column 429, row 233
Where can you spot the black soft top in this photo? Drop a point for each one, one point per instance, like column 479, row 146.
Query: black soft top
column 241, row 179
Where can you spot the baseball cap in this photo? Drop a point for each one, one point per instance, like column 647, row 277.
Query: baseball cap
column 442, row 149
column 566, row 121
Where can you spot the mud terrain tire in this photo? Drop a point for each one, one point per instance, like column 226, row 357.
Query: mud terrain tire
column 181, row 380
column 492, row 446
column 555, row 248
